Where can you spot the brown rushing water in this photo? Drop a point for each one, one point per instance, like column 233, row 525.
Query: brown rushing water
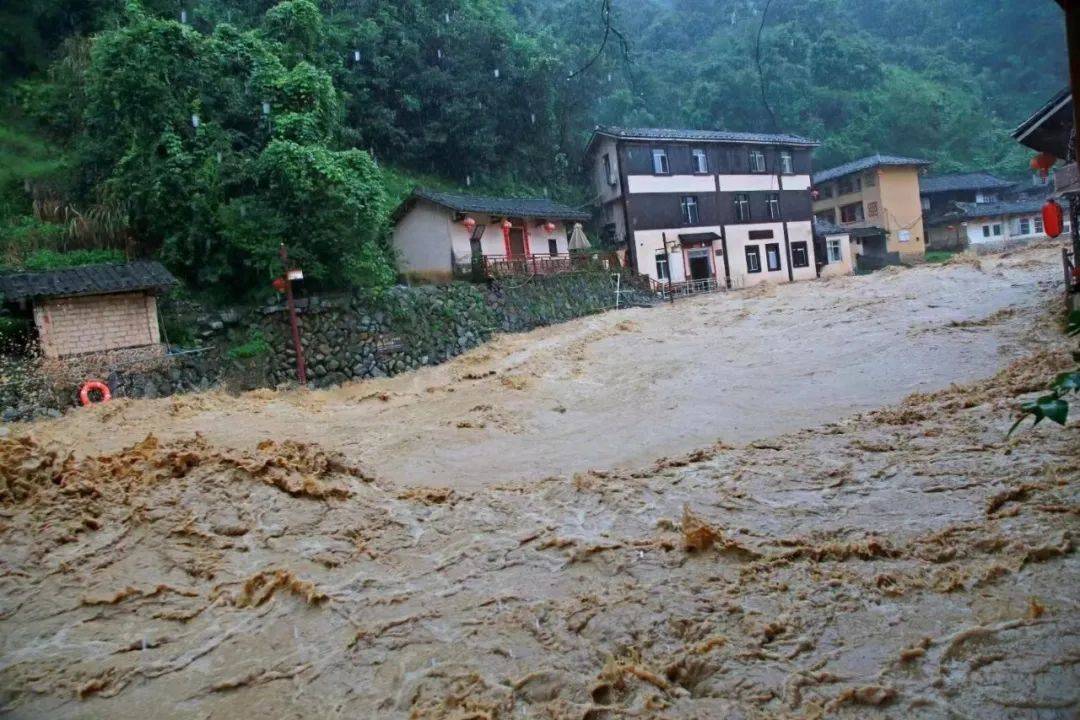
column 909, row 562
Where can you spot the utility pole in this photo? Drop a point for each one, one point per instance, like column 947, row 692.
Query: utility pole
column 301, row 368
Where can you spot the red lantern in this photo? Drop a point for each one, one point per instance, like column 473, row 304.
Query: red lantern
column 1053, row 218
column 279, row 284
column 549, row 227
column 506, row 224
column 1043, row 162
column 814, row 194
column 469, row 223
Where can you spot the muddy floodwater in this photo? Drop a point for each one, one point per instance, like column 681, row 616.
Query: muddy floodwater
column 794, row 503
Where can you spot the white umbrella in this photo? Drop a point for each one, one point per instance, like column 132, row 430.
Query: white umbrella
column 578, row 241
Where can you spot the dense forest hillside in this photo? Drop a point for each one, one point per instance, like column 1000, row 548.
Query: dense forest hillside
column 207, row 131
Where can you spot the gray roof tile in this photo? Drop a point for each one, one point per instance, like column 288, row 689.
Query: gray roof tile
column 962, row 181
column 725, row 136
column 87, row 280
column 506, row 207
column 871, row 161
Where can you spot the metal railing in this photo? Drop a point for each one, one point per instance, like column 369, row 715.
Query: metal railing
column 668, row 290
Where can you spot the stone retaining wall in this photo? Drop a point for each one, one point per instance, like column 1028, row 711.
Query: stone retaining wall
column 363, row 335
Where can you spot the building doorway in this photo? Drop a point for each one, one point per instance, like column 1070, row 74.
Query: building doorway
column 517, row 241
column 698, row 261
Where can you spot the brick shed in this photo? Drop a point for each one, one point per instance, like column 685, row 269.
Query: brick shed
column 94, row 308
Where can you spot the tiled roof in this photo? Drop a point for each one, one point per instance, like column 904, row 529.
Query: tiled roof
column 504, row 207
column 703, row 136
column 961, row 181
column 87, row 280
column 866, row 163
column 824, row 227
column 1009, row 207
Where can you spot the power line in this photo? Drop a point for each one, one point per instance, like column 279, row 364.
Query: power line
column 761, row 74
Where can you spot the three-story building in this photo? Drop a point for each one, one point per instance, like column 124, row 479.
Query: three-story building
column 719, row 207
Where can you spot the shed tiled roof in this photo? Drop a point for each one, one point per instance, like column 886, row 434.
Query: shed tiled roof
column 871, row 161
column 824, row 227
column 961, row 181
column 144, row 275
column 1030, row 206
column 725, row 136
column 503, row 207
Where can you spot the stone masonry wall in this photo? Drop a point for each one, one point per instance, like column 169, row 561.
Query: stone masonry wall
column 363, row 335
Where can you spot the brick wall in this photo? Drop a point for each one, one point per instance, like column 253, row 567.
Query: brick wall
column 68, row 326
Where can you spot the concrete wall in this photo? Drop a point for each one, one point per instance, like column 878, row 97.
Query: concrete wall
column 846, row 266
column 890, row 200
column 605, row 190
column 738, row 239
column 427, row 240
column 421, row 243
column 899, row 188
column 95, row 323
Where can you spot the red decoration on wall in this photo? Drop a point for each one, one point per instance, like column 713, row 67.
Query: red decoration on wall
column 506, row 224
column 814, row 194
column 469, row 223
column 279, row 284
column 1053, row 218
column 549, row 227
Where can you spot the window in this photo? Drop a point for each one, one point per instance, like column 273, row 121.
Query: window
column 851, row 213
column 609, row 171
column 1023, row 226
column 787, row 167
column 828, row 216
column 701, row 161
column 925, row 202
column 826, row 190
column 661, row 266
column 849, row 185
column 997, row 228
column 689, row 210
column 772, row 256
column 757, row 161
column 553, row 246
column 660, row 162
column 774, row 206
column 871, row 208
column 1038, row 224
column 835, row 254
column 871, row 179
column 761, row 234
column 753, row 259
column 986, row 231
column 742, row 206
column 800, row 256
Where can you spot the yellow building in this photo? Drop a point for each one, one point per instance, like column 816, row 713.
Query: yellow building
column 876, row 198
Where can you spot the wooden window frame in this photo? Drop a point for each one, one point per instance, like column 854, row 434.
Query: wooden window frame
column 773, row 201
column 684, row 210
column 753, row 251
column 830, row 244
column 662, row 260
column 797, row 246
column 754, row 152
column 787, row 162
column 695, row 153
column 779, row 260
column 742, row 200
column 656, row 153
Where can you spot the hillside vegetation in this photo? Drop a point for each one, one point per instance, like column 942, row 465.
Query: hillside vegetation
column 207, row 132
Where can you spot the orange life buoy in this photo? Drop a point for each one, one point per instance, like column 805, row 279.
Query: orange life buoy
column 84, row 392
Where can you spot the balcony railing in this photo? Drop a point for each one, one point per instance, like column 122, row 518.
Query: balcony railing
column 498, row 266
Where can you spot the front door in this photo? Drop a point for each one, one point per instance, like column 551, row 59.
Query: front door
column 517, row 241
column 698, row 260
